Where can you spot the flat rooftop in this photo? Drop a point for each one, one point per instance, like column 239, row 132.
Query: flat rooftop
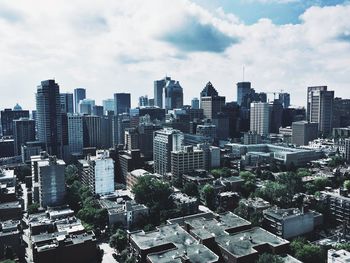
column 243, row 243
column 179, row 239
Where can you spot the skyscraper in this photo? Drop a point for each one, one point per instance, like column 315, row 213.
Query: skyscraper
column 23, row 131
column 108, row 105
column 276, row 112
column 308, row 103
column 321, row 110
column 85, row 106
column 79, row 94
column 66, row 102
column 143, row 101
column 211, row 102
column 243, row 89
column 165, row 141
column 158, row 91
column 195, row 103
column 49, row 120
column 75, row 133
column 173, row 95
column 259, row 118
column 284, row 99
column 122, row 103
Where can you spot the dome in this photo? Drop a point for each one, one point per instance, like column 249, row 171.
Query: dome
column 17, row 107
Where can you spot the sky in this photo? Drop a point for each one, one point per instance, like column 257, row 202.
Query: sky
column 110, row 46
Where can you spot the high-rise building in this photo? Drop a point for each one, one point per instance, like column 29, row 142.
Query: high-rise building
column 186, row 161
column 66, row 102
column 195, row 103
column 158, row 91
column 260, row 118
column 49, row 119
column 143, row 101
column 347, row 149
column 86, row 106
column 284, row 99
column 211, row 102
column 92, row 131
column 97, row 172
column 303, row 132
column 276, row 112
column 97, row 110
column 341, row 113
column 308, row 102
column 23, row 131
column 75, row 133
column 173, row 95
column 321, row 110
column 243, row 89
column 165, row 141
column 8, row 116
column 123, row 125
column 79, row 94
column 108, row 105
column 49, row 188
column 122, row 103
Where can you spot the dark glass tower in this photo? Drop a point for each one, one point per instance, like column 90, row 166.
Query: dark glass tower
column 122, row 103
column 49, row 120
column 243, row 89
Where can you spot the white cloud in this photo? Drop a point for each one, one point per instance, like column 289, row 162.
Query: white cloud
column 109, row 46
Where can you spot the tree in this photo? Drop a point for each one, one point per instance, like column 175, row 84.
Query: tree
column 249, row 184
column 336, row 161
column 306, row 252
column 208, row 194
column 347, row 184
column 152, row 192
column 269, row 258
column 292, row 181
column 118, row 240
column 221, row 172
column 191, row 189
column 275, row 193
column 71, row 174
column 33, row 208
column 303, row 172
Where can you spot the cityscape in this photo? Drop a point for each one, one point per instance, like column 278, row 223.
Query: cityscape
column 173, row 171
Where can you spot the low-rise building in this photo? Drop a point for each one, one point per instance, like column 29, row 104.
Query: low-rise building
column 291, row 222
column 10, row 236
column 187, row 205
column 125, row 213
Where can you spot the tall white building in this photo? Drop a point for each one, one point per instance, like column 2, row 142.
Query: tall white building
column 164, row 142
column 75, row 133
column 97, row 172
column 259, row 118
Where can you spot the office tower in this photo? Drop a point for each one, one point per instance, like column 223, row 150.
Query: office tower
column 284, row 99
column 66, row 102
column 158, row 91
column 303, row 132
column 211, row 102
column 222, row 121
column 49, row 119
column 145, row 130
column 123, row 125
column 291, row 115
column 276, row 112
column 347, row 149
column 8, row 116
column 195, row 103
column 173, row 95
column 232, row 110
column 121, row 103
column 251, row 138
column 207, row 130
column 143, row 101
column 97, row 110
column 260, row 118
column 92, row 131
column 86, row 106
column 132, row 139
column 75, row 133
column 165, row 141
column 129, row 161
column 97, row 173
column 108, row 105
column 262, row 96
column 309, row 95
column 341, row 113
column 243, row 89
column 107, row 130
column 23, row 131
column 79, row 94
column 186, row 161
column 321, row 110
column 49, row 187
column 151, row 102
column 154, row 113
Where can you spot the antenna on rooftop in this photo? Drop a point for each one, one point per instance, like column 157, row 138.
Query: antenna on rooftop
column 243, row 73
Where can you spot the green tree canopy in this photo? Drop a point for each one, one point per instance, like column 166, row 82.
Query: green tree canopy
column 118, row 240
column 191, row 189
column 269, row 258
column 347, row 184
column 33, row 208
column 208, row 194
